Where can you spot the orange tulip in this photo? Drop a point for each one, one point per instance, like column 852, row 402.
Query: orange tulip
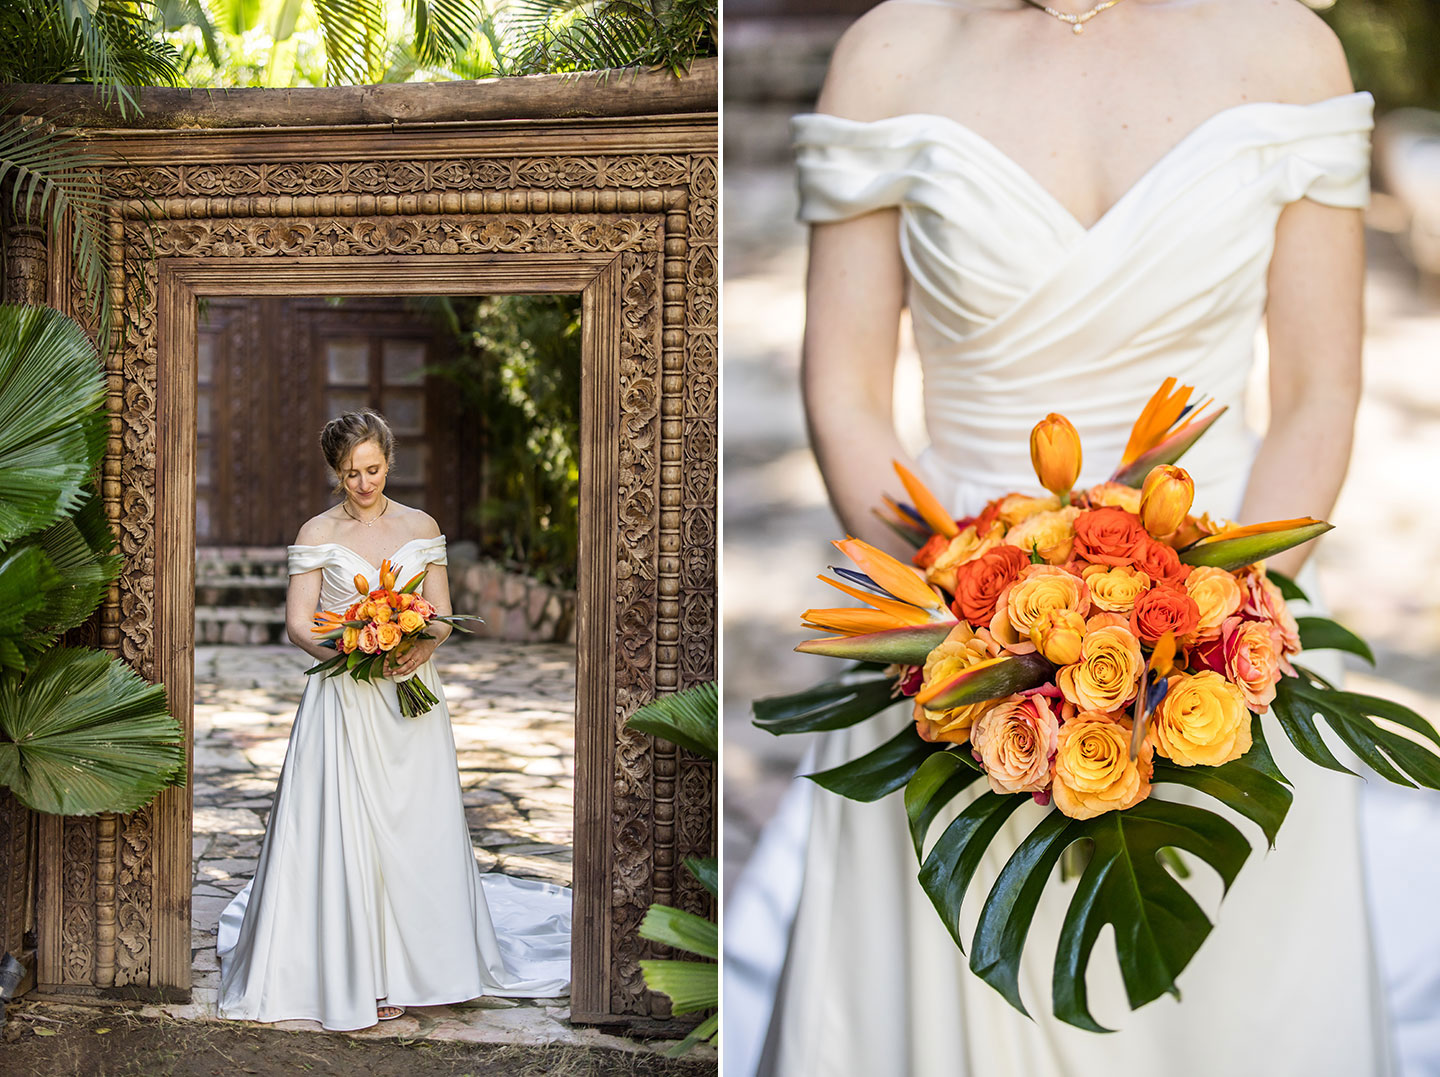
column 1165, row 499
column 1055, row 452
column 387, row 575
column 1058, row 634
column 362, row 585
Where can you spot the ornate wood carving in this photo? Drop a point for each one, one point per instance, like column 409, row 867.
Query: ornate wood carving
column 624, row 214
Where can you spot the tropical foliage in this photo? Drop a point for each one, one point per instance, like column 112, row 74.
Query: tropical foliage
column 691, row 719
column 80, row 733
column 1393, row 47
column 517, row 370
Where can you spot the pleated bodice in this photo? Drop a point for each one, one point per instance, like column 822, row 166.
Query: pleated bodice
column 1018, row 309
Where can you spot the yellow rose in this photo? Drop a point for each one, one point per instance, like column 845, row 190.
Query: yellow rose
column 1015, row 738
column 387, row 636
column 1202, row 719
column 410, row 621
column 1051, row 534
column 963, row 548
column 350, row 640
column 406, row 600
column 1057, row 635
column 1017, row 508
column 382, row 613
column 961, row 650
column 1038, row 588
column 1107, row 675
column 366, row 611
column 1218, row 595
column 1093, row 772
column 1115, row 495
column 1115, row 589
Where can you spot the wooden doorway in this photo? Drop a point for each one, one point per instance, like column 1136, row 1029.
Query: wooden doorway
column 622, row 212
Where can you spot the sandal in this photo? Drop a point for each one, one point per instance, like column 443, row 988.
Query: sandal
column 388, row 1013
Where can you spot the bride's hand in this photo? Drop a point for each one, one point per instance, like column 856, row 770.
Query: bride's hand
column 412, row 658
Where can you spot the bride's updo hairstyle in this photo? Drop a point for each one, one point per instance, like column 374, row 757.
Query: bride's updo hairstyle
column 344, row 433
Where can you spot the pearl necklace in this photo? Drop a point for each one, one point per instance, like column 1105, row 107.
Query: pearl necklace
column 1077, row 22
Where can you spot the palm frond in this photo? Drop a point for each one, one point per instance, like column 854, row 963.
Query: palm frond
column 591, row 35
column 354, row 35
column 442, row 30
column 52, row 422
column 689, row 718
column 79, row 549
column 81, row 733
column 51, row 176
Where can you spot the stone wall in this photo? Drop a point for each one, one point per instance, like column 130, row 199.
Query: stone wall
column 514, row 607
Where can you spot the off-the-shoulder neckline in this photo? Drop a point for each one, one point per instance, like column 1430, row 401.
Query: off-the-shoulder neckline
column 1024, row 176
column 359, row 556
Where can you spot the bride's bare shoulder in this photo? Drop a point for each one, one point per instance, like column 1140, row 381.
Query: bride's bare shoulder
column 1292, row 48
column 318, row 529
column 875, row 61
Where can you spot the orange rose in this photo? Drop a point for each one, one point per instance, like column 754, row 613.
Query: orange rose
column 1164, row 609
column 1093, row 772
column 423, row 608
column 367, row 640
column 1015, row 739
column 1108, row 536
column 1107, row 675
column 404, row 602
column 963, row 548
column 353, row 612
column 1036, row 589
column 1251, row 650
column 925, row 556
column 960, row 650
column 1115, row 495
column 1160, row 562
column 410, row 621
column 1217, row 595
column 980, row 582
column 388, row 636
column 1115, row 588
column 382, row 613
column 1202, row 720
column 1050, row 534
column 1196, row 528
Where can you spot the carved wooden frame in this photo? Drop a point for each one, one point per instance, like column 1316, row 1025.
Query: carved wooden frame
column 623, row 212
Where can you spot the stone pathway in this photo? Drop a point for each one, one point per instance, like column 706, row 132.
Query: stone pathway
column 512, row 707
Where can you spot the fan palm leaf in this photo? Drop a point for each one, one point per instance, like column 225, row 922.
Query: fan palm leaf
column 52, row 424
column 689, row 718
column 590, row 35
column 82, row 733
column 79, row 549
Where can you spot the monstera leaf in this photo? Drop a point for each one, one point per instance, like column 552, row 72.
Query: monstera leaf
column 1158, row 925
column 833, row 705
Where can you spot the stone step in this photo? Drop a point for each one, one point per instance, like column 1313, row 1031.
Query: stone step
column 239, row 624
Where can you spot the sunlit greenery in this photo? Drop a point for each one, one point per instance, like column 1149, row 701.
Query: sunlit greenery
column 516, row 366
column 1393, row 46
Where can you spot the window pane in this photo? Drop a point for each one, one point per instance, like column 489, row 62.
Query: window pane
column 347, row 362
column 409, row 466
column 405, row 411
column 205, row 358
column 404, row 361
column 341, row 400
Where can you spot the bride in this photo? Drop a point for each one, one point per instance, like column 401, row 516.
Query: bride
column 367, row 897
column 1071, row 217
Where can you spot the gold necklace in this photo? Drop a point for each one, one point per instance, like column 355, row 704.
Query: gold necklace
column 368, row 523
column 1077, row 22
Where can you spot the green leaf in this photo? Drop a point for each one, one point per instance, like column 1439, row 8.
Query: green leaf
column 329, row 663
column 706, row 870
column 946, row 873
column 689, row 718
column 1252, row 785
column 682, row 930
column 1289, row 589
column 1351, row 716
column 1321, row 633
column 691, row 985
column 708, row 1029
column 1005, row 677
column 1234, row 553
column 879, row 772
column 81, row 733
column 834, row 705
column 1298, row 721
column 1158, row 925
column 940, row 779
column 909, row 645
column 52, row 421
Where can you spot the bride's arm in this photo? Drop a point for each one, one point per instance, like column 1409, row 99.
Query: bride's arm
column 301, row 600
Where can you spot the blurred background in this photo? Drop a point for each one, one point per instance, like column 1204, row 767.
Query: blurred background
column 777, row 521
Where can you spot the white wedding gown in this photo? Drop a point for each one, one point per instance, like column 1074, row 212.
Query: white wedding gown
column 1019, row 310
column 367, row 886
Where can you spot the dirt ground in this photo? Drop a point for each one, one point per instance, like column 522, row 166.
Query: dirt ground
column 120, row 1044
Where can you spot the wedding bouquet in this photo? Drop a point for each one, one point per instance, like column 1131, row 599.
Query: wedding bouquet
column 1076, row 650
column 383, row 622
